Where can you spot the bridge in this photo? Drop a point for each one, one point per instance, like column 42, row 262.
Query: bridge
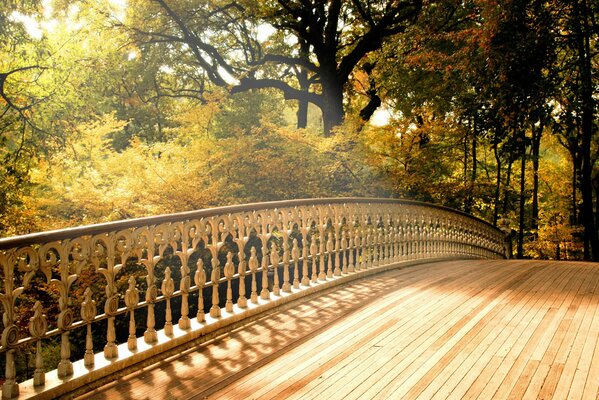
column 322, row 298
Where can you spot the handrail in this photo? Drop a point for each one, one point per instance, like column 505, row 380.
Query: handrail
column 285, row 249
column 69, row 233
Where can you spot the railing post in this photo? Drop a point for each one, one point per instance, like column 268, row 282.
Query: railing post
column 253, row 266
column 38, row 324
column 131, row 300
column 295, row 256
column 199, row 279
column 229, row 271
column 88, row 313
column 274, row 261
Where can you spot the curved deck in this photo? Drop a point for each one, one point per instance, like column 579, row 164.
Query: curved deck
column 459, row 329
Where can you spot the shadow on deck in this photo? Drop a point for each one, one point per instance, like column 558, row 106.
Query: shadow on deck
column 459, row 329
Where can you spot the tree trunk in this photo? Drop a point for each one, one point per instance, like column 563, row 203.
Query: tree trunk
column 574, row 212
column 467, row 194
column 497, row 184
column 302, row 114
column 302, row 78
column 583, row 32
column 473, row 172
column 332, row 109
column 520, row 251
column 536, row 144
column 508, row 180
column 596, row 185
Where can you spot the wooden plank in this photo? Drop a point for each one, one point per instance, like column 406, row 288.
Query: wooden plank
column 308, row 381
column 434, row 335
column 529, row 359
column 470, row 329
column 581, row 375
column 572, row 320
column 543, row 373
column 505, row 359
column 485, row 369
column 323, row 348
column 208, row 355
column 460, row 346
column 374, row 362
column 465, row 368
column 570, row 355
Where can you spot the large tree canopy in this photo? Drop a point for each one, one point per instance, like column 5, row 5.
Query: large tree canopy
column 317, row 47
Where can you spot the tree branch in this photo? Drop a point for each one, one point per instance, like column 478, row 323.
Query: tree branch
column 289, row 92
column 281, row 59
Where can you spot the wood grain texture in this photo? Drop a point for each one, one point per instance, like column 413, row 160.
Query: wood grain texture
column 460, row 329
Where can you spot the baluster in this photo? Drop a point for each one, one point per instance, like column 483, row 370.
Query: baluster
column 274, row 261
column 286, row 284
column 215, row 278
column 402, row 240
column 367, row 246
column 350, row 247
column 295, row 255
column 396, row 239
column 344, row 251
column 313, row 251
column 110, row 308
column 321, row 267
column 199, row 279
column 65, row 317
column 10, row 387
column 390, row 244
column 253, row 265
column 389, row 239
column 337, row 271
column 150, row 335
column 146, row 244
column 10, row 333
column 38, row 324
column 242, row 301
column 184, row 286
column 380, row 250
column 305, row 250
column 180, row 239
column 264, row 294
column 330, row 249
column 375, row 246
column 168, row 288
column 65, row 367
column 358, row 246
column 131, row 300
column 229, row 271
column 410, row 240
column 88, row 313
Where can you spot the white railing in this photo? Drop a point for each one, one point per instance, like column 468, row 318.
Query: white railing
column 140, row 288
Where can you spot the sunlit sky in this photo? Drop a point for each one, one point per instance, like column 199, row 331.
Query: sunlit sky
column 36, row 25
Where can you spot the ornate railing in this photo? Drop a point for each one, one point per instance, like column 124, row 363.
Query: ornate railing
column 136, row 289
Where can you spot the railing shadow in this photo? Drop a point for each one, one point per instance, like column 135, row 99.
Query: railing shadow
column 202, row 371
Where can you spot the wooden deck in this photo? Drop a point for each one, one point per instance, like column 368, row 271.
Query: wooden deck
column 452, row 330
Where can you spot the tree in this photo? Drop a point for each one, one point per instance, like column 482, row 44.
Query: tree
column 581, row 38
column 320, row 44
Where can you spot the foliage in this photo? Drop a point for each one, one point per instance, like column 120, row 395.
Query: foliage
column 118, row 117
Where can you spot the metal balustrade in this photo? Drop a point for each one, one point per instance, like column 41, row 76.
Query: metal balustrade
column 89, row 301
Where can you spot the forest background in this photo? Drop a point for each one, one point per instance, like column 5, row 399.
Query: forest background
column 114, row 109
